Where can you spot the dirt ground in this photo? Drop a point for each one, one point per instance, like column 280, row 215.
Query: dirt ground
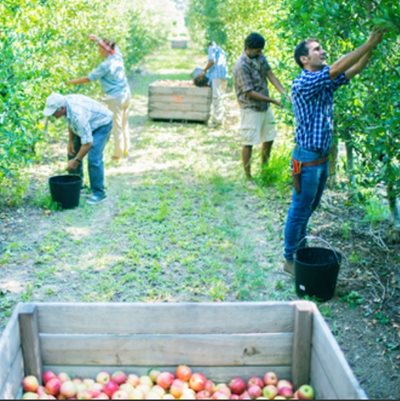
column 40, row 248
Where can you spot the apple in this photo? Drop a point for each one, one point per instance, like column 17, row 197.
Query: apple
column 102, row 396
column 53, row 386
column 305, row 392
column 133, row 379
column 84, row 395
column 270, row 378
column 30, row 384
column 103, row 377
column 127, row 387
column 119, row 377
column 30, row 396
column 188, row 394
column 183, row 373
column 197, row 381
column 165, row 380
column 203, row 395
column 270, row 391
column 145, row 388
column 146, row 380
column 234, row 397
column 47, row 375
column 168, row 397
column 286, row 392
column 254, row 391
column 177, row 387
column 119, row 395
column 68, row 389
column 222, row 387
column 284, row 383
column 110, row 388
column 255, row 381
column 153, row 374
column 137, row 394
column 220, row 395
column 244, row 396
column 237, row 385
column 158, row 390
column 210, row 386
column 88, row 382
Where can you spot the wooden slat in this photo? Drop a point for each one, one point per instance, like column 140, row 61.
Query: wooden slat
column 333, row 362
column 215, row 373
column 10, row 388
column 320, row 381
column 179, row 115
column 145, row 349
column 301, row 356
column 166, row 318
column 185, row 106
column 178, row 90
column 180, row 98
column 29, row 333
column 10, row 345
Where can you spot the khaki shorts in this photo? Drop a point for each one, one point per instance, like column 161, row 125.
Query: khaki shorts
column 257, row 126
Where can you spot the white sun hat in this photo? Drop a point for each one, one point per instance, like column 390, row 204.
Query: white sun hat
column 53, row 103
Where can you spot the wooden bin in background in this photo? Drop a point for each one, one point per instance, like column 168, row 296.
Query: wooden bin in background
column 178, row 100
column 223, row 340
column 179, row 43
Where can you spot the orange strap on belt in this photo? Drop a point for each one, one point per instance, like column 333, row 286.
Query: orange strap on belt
column 297, row 165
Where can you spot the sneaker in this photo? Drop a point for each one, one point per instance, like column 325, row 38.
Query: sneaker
column 95, row 199
column 288, row 267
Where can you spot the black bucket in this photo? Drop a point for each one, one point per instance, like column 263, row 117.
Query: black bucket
column 316, row 272
column 66, row 190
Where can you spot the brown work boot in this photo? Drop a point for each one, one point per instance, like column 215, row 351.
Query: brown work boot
column 288, row 267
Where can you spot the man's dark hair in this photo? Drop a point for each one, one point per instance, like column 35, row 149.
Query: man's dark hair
column 302, row 50
column 254, row 41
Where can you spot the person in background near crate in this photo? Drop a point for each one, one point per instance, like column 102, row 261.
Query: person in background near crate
column 89, row 126
column 312, row 97
column 257, row 125
column 216, row 71
column 111, row 73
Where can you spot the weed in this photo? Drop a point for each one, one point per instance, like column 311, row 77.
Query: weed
column 353, row 299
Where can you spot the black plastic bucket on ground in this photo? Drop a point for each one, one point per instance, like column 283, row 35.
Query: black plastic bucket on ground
column 316, row 272
column 66, row 190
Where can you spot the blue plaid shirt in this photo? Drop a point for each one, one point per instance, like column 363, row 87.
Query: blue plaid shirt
column 312, row 96
column 219, row 70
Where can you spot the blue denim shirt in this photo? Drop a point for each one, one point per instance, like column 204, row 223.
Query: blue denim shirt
column 219, row 70
column 111, row 74
column 312, row 97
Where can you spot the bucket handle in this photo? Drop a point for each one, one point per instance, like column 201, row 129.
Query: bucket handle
column 313, row 237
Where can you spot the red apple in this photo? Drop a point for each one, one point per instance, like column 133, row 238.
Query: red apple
column 68, row 389
column 110, row 388
column 119, row 377
column 244, row 396
column 234, row 397
column 30, row 384
column 210, row 386
column 305, row 392
column 197, row 382
column 270, row 378
column 270, row 391
column 183, row 373
column 47, row 375
column 53, row 386
column 165, row 380
column 254, row 391
column 103, row 377
column 255, row 381
column 284, row 383
column 177, row 388
column 237, row 385
column 220, row 395
column 286, row 392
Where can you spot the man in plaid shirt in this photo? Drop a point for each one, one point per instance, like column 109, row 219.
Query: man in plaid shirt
column 257, row 125
column 312, row 97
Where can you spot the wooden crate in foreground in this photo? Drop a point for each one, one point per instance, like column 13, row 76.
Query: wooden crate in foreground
column 222, row 340
column 178, row 100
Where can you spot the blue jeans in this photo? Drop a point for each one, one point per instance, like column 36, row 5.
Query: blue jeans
column 313, row 180
column 95, row 159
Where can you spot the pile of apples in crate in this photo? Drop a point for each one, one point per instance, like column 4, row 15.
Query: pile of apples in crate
column 156, row 385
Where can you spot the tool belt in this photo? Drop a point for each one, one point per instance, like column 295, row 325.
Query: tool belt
column 296, row 170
